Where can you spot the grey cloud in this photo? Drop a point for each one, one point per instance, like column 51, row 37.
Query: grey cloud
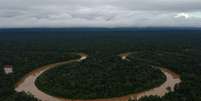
column 98, row 13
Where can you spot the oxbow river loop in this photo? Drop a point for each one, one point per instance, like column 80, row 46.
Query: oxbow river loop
column 27, row 84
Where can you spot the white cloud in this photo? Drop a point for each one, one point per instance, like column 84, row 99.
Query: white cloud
column 99, row 13
column 185, row 15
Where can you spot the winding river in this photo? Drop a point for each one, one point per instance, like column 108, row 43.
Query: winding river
column 27, row 84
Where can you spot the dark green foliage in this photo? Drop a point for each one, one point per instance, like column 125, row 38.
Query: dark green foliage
column 24, row 61
column 184, row 46
column 186, row 63
column 18, row 97
column 150, row 98
column 100, row 76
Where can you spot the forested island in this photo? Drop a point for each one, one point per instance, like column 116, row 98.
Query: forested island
column 178, row 50
column 99, row 76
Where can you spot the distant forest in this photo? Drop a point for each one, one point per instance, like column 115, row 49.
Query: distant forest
column 27, row 49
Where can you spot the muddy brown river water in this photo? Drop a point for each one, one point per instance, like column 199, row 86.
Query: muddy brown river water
column 27, row 84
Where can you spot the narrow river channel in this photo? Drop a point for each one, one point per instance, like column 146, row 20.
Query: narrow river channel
column 27, row 84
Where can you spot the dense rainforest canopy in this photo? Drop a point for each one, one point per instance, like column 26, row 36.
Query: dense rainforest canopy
column 178, row 50
column 100, row 76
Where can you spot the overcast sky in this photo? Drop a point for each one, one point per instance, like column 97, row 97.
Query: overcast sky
column 100, row 13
